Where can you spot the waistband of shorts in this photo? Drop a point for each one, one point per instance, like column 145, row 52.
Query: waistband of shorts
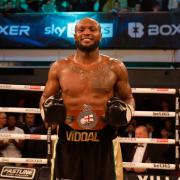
column 68, row 134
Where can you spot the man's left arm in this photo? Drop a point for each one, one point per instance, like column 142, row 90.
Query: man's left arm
column 122, row 86
column 120, row 107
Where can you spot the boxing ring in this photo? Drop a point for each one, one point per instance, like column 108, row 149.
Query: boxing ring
column 164, row 114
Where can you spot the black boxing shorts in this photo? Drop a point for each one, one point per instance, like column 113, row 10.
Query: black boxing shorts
column 85, row 155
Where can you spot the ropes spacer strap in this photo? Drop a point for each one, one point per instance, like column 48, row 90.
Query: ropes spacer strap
column 177, row 129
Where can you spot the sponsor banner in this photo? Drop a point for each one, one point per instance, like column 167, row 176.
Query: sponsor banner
column 17, row 172
column 149, row 177
column 132, row 30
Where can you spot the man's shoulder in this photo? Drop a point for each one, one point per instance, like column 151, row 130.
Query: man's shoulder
column 19, row 130
column 3, row 129
column 115, row 64
column 111, row 60
column 62, row 61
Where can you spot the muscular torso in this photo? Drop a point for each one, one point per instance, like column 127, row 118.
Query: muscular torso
column 82, row 85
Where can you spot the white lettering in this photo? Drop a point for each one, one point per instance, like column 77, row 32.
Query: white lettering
column 153, row 30
column 18, row 172
column 176, row 29
column 54, row 30
column 106, row 28
column 152, row 177
column 164, row 30
column 3, row 30
column 24, row 30
column 136, row 29
column 142, row 178
column 14, row 30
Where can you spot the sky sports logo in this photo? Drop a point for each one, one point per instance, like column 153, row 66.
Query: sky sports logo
column 53, row 30
column 106, row 28
column 138, row 30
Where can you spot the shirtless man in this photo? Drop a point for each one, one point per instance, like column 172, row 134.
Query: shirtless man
column 87, row 82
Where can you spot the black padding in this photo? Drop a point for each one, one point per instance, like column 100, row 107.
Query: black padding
column 55, row 110
column 116, row 112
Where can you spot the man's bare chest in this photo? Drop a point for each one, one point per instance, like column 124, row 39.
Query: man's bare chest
column 96, row 79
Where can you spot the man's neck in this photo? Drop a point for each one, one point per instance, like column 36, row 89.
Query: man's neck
column 87, row 57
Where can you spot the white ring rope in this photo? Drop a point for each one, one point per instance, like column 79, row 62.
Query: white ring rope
column 137, row 113
column 23, row 160
column 55, row 137
column 41, row 88
column 21, row 87
column 146, row 140
column 125, row 164
column 149, row 165
column 154, row 90
column 26, row 136
column 154, row 114
column 20, row 110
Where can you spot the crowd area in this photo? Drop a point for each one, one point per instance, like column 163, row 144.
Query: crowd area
column 139, row 127
column 117, row 6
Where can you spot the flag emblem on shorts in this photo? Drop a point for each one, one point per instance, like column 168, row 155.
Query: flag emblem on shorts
column 87, row 119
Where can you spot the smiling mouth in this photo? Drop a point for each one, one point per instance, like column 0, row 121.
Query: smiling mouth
column 86, row 40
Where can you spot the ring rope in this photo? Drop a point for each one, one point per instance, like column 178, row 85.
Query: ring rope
column 137, row 113
column 154, row 114
column 149, row 165
column 154, row 90
column 20, row 110
column 55, row 137
column 21, row 87
column 125, row 164
column 41, row 88
column 146, row 140
column 23, row 160
column 26, row 136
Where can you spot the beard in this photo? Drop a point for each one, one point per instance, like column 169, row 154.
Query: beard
column 87, row 49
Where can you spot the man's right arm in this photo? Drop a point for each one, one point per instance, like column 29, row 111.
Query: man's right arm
column 52, row 85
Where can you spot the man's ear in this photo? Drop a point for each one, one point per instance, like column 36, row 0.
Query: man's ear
column 75, row 36
column 100, row 37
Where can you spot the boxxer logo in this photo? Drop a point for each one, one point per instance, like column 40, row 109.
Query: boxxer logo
column 14, row 30
column 135, row 30
column 163, row 30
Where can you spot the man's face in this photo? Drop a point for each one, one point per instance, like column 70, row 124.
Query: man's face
column 87, row 35
column 29, row 118
column 141, row 133
column 11, row 121
column 3, row 119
